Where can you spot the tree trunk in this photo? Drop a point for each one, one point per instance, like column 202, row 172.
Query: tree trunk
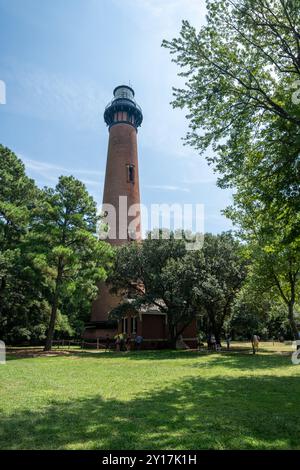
column 290, row 302
column 2, row 289
column 172, row 335
column 215, row 329
column 217, row 334
column 50, row 333
column 292, row 320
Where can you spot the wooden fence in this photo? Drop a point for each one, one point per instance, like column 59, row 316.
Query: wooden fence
column 67, row 343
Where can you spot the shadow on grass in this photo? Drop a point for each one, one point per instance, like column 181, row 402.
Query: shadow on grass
column 231, row 413
column 247, row 362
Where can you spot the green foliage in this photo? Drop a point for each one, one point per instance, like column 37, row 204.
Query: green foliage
column 263, row 314
column 18, row 196
column 179, row 282
column 62, row 326
column 22, row 307
column 150, row 273
column 242, row 74
column 241, row 71
column 220, row 272
column 63, row 248
column 50, row 257
column 275, row 270
column 271, row 292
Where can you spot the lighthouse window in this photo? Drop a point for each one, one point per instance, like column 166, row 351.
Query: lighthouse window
column 123, row 92
column 130, row 173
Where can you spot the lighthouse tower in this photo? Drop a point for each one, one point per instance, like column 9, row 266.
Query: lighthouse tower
column 121, row 196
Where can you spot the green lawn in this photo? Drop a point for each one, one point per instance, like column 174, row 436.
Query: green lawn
column 151, row 400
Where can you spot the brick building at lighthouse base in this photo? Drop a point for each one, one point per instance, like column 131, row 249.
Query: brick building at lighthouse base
column 152, row 325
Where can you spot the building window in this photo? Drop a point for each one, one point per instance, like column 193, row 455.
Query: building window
column 125, row 325
column 130, row 173
column 133, row 325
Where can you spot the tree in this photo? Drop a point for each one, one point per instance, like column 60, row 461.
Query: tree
column 62, row 246
column 154, row 272
column 275, row 266
column 25, row 309
column 220, row 272
column 242, row 92
column 19, row 298
column 242, row 72
column 18, row 194
column 50, row 258
column 258, row 311
column 277, row 271
column 181, row 283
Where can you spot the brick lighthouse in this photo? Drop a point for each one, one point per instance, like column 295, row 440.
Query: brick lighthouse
column 121, row 196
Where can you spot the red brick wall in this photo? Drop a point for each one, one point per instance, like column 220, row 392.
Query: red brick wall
column 153, row 326
column 94, row 333
column 104, row 303
column 191, row 330
column 122, row 150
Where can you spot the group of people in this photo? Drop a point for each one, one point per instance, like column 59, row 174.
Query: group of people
column 213, row 344
column 124, row 342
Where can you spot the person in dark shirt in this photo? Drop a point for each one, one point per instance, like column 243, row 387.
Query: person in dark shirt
column 138, row 341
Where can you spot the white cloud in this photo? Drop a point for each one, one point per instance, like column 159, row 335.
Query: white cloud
column 50, row 172
column 165, row 187
column 2, row 92
column 55, row 97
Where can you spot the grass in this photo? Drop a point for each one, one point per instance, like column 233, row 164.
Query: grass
column 151, row 400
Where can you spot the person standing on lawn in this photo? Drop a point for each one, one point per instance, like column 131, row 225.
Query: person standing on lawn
column 118, row 343
column 255, row 343
column 138, row 341
column 213, row 342
column 228, row 341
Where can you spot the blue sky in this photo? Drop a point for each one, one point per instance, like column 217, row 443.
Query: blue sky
column 61, row 59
